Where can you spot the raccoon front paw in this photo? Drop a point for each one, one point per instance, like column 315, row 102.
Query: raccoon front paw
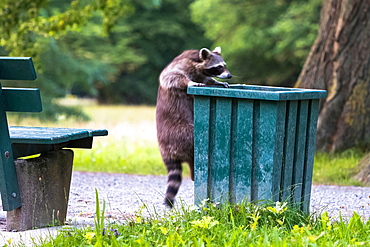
column 196, row 84
column 224, row 84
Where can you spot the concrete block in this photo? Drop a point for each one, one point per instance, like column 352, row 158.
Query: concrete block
column 44, row 185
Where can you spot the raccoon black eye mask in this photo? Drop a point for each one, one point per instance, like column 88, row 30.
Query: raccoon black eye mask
column 214, row 72
column 218, row 72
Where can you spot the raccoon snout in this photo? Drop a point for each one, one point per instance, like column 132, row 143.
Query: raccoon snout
column 225, row 76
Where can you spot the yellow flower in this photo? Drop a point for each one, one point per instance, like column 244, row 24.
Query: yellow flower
column 297, row 229
column 254, row 225
column 138, row 219
column 272, row 209
column 279, row 208
column 10, row 241
column 255, row 217
column 280, row 222
column 360, row 243
column 312, row 238
column 163, row 230
column 205, row 222
column 354, row 240
column 90, row 235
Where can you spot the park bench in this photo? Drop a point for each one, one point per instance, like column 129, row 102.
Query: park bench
column 34, row 191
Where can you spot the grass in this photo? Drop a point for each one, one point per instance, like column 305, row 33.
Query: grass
column 338, row 168
column 209, row 224
column 131, row 146
column 119, row 157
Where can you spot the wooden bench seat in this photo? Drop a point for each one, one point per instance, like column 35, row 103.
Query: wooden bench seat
column 33, row 140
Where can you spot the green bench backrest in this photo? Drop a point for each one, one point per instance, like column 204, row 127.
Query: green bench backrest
column 21, row 99
column 17, row 68
column 17, row 99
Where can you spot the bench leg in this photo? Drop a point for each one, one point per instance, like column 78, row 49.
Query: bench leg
column 44, row 185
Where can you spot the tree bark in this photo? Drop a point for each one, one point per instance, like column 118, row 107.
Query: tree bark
column 364, row 175
column 339, row 62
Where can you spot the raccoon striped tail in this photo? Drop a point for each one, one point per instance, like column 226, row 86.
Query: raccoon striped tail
column 174, row 169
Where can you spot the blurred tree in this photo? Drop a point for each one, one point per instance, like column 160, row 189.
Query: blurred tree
column 339, row 62
column 36, row 28
column 24, row 23
column 263, row 41
column 154, row 36
column 119, row 63
column 105, row 56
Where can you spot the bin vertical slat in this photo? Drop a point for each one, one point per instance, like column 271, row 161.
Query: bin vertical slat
column 268, row 146
column 241, row 149
column 289, row 147
column 255, row 151
column 310, row 153
column 279, row 149
column 201, row 141
column 299, row 157
column 220, row 150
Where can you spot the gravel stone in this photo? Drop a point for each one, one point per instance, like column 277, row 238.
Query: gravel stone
column 125, row 195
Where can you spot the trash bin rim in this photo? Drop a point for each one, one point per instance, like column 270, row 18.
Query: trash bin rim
column 258, row 92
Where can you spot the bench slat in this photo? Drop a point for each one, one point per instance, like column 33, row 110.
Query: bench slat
column 22, row 99
column 17, row 68
column 42, row 135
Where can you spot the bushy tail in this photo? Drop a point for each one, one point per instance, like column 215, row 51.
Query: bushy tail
column 174, row 169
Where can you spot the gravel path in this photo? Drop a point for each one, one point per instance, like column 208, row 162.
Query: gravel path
column 125, row 194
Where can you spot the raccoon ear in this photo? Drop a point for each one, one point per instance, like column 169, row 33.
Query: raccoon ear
column 217, row 50
column 204, row 54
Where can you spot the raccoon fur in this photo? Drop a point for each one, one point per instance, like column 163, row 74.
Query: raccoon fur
column 174, row 111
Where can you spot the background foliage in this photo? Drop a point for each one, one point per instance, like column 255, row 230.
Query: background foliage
column 114, row 50
column 264, row 42
column 67, row 40
column 154, row 37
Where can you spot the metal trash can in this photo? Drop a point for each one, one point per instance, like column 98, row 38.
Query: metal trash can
column 254, row 143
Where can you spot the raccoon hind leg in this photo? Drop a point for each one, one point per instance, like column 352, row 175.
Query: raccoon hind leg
column 174, row 170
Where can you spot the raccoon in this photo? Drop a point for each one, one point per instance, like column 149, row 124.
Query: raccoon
column 174, row 110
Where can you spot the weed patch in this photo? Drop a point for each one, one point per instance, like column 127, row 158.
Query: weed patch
column 246, row 224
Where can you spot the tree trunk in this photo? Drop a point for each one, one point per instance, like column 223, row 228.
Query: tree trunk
column 364, row 175
column 339, row 62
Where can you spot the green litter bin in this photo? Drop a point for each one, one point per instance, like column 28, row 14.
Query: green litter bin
column 254, row 143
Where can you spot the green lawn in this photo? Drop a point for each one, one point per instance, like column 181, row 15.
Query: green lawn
column 131, row 146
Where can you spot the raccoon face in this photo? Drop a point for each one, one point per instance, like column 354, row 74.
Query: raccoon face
column 214, row 65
